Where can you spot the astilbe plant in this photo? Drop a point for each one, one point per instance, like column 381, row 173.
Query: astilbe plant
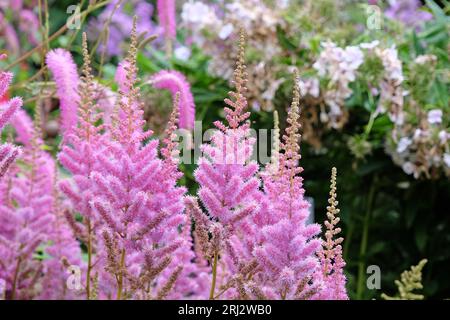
column 64, row 70
column 36, row 244
column 135, row 228
column 8, row 152
column 410, row 281
column 331, row 261
column 287, row 253
column 176, row 82
column 250, row 238
column 229, row 191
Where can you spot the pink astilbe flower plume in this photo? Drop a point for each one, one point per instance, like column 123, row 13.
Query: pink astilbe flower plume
column 8, row 152
column 331, row 261
column 138, row 236
column 64, row 70
column 229, row 189
column 84, row 145
column 287, row 253
column 166, row 16
column 175, row 82
column 28, row 221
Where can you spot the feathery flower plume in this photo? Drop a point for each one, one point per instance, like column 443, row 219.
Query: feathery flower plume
column 84, row 145
column 64, row 70
column 8, row 152
column 331, row 261
column 287, row 253
column 410, row 281
column 175, row 82
column 275, row 153
column 229, row 189
column 28, row 222
column 166, row 16
column 141, row 233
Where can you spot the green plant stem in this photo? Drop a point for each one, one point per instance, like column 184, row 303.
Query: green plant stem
column 214, row 277
column 364, row 241
column 120, row 280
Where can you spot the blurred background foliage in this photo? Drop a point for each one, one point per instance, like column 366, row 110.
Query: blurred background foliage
column 390, row 218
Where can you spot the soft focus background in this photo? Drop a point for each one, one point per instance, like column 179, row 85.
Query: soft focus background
column 375, row 98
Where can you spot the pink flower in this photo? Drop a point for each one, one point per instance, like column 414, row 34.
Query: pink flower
column 166, row 16
column 435, row 116
column 175, row 82
column 64, row 71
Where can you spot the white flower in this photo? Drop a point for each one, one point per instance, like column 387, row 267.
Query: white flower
column 198, row 14
column 370, row 45
column 309, row 86
column 408, row 167
column 391, row 63
column 426, row 58
column 444, row 136
column 435, row 116
column 182, row 53
column 446, row 158
column 225, row 31
column 354, row 57
column 403, row 144
column 417, row 134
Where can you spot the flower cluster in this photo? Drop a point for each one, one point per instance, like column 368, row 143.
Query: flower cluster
column 408, row 12
column 8, row 152
column 212, row 28
column 419, row 138
column 244, row 235
column 338, row 66
column 36, row 243
column 112, row 28
column 261, row 246
column 19, row 16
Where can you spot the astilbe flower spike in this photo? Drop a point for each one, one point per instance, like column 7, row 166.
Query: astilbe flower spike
column 28, row 221
column 287, row 253
column 64, row 69
column 139, row 235
column 330, row 256
column 167, row 20
column 410, row 281
column 84, row 144
column 166, row 16
column 8, row 152
column 175, row 82
column 229, row 191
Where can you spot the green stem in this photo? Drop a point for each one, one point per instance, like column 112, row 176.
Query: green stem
column 364, row 241
column 120, row 280
column 214, row 276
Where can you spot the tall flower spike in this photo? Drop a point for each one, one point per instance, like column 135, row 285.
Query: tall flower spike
column 330, row 256
column 237, row 102
column 275, row 154
column 169, row 151
column 229, row 187
column 127, row 121
column 175, row 81
column 287, row 250
column 64, row 70
column 410, row 281
column 8, row 152
column 166, row 16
